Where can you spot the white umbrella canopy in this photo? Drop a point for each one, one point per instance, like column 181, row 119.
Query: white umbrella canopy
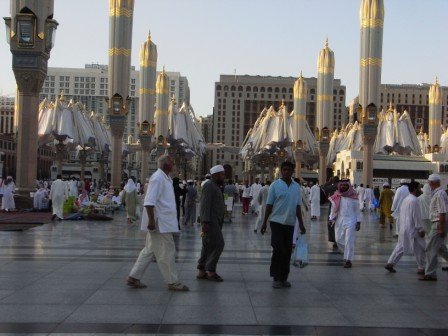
column 75, row 125
column 102, row 137
column 185, row 133
column 45, row 122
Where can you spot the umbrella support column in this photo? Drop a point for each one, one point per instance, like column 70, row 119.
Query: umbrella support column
column 60, row 153
column 82, row 161
column 298, row 157
column 323, row 151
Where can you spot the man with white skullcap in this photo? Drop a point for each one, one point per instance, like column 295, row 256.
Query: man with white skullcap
column 436, row 245
column 401, row 193
column 212, row 217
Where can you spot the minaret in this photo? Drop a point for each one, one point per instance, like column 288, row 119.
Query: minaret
column 120, row 44
column 372, row 20
column 324, row 111
column 435, row 114
column 161, row 117
column 299, row 117
column 325, row 77
column 148, row 74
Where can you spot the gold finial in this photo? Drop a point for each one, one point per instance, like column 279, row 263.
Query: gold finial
column 300, row 74
column 326, row 43
column 437, row 80
column 61, row 96
column 163, row 70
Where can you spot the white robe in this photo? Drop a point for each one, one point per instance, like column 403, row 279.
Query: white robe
column 58, row 195
column 401, row 193
column 254, row 191
column 303, row 208
column 261, row 201
column 361, row 191
column 345, row 225
column 73, row 188
column 40, row 199
column 369, row 197
column 409, row 242
column 8, row 196
column 315, row 201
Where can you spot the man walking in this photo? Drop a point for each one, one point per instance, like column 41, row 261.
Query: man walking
column 190, row 203
column 254, row 191
column 361, row 194
column 386, row 199
column 401, row 193
column 212, row 217
column 346, row 216
column 438, row 212
column 282, row 209
column 411, row 237
column 315, row 201
column 262, row 199
column 58, row 195
column 160, row 220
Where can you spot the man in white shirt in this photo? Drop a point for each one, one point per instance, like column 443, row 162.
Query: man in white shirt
column 369, row 198
column 436, row 245
column 160, row 220
column 254, row 191
column 73, row 187
column 361, row 193
column 401, row 193
column 315, row 201
column 411, row 237
column 58, row 195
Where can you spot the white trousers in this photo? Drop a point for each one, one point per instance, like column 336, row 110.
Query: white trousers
column 361, row 205
column 160, row 245
column 436, row 247
column 419, row 252
column 345, row 238
column 260, row 218
column 397, row 225
column 58, row 207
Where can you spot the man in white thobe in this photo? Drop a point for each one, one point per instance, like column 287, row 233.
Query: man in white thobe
column 315, row 201
column 73, row 187
column 361, row 191
column 401, row 193
column 369, row 197
column 437, row 237
column 411, row 237
column 254, row 191
column 346, row 215
column 261, row 200
column 159, row 218
column 58, row 195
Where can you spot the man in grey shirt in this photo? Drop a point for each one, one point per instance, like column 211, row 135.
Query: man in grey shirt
column 212, row 217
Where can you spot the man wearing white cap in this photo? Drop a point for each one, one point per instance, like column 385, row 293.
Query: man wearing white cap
column 212, row 217
column 436, row 245
column 401, row 193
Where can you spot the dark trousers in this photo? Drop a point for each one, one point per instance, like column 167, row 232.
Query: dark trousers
column 212, row 247
column 246, row 202
column 281, row 242
column 331, row 233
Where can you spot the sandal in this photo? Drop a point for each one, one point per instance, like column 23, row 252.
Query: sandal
column 135, row 283
column 428, row 278
column 215, row 277
column 201, row 277
column 178, row 287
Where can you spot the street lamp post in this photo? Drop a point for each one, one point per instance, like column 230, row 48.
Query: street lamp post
column 298, row 157
column 369, row 126
column 31, row 34
column 324, row 145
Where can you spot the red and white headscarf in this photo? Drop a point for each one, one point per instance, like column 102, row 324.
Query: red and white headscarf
column 337, row 196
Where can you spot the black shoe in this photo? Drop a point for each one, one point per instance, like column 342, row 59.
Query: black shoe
column 286, row 284
column 390, row 268
column 53, row 217
column 348, row 264
column 255, row 231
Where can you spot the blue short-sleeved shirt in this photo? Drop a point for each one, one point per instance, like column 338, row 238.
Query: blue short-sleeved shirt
column 284, row 200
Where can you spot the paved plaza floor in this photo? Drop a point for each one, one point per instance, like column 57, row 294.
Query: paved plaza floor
column 69, row 278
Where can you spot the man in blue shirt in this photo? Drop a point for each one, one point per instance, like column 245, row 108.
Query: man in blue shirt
column 282, row 210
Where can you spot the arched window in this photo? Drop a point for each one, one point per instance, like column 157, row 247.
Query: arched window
column 290, row 90
column 262, row 89
column 218, row 87
column 233, row 88
column 284, row 90
column 255, row 89
column 335, row 92
column 312, row 91
column 269, row 89
column 277, row 90
column 226, row 88
column 248, row 89
column 240, row 88
column 341, row 92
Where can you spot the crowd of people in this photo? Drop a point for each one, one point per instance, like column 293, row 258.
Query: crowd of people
column 284, row 206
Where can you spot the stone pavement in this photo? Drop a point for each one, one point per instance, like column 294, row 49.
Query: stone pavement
column 69, row 278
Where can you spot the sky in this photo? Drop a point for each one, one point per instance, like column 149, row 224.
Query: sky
column 203, row 39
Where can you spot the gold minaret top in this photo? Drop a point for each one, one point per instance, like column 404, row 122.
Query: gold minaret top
column 371, row 13
column 325, row 61
column 435, row 93
column 162, row 82
column 148, row 53
column 300, row 88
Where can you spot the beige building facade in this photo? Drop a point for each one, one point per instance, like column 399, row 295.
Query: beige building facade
column 240, row 99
